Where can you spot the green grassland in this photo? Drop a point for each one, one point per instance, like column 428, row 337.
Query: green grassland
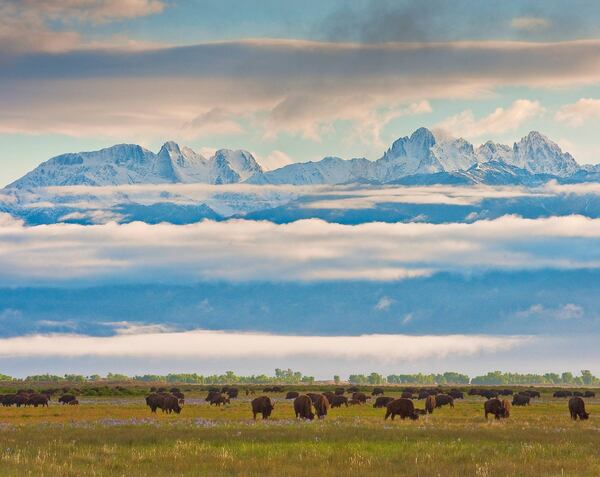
column 118, row 436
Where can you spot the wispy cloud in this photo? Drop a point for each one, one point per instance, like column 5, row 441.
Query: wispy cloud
column 500, row 121
column 578, row 113
column 214, row 344
column 568, row 311
column 384, row 303
column 530, row 23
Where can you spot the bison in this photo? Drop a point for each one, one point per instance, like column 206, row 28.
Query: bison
column 496, row 407
column 219, row 400
column 232, row 393
column 430, row 404
column 36, row 400
column 562, row 394
column 339, row 401
column 406, row 395
column 262, row 405
column 443, row 400
column 521, row 400
column 339, row 391
column 74, row 402
column 382, row 401
column 402, row 407
column 456, row 394
column 321, row 404
column 577, row 409
column 292, row 395
column 377, row 392
column 589, row 394
column 360, row 397
column 303, row 407
column 66, row 398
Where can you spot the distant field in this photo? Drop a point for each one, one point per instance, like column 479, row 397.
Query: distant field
column 118, row 436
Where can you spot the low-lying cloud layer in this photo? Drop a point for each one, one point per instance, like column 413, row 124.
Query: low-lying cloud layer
column 214, row 344
column 306, row 250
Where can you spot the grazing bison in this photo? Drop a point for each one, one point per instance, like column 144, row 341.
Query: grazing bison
column 339, row 391
column 321, row 406
column 496, row 407
column 66, row 398
column 74, row 402
column 456, row 394
column 219, row 400
column 303, row 407
column 577, row 409
column 36, row 400
column 329, row 395
column 353, row 389
column 339, row 401
column 382, row 401
column 262, row 405
column 430, row 404
column 488, row 393
column 354, row 402
column 521, row 400
column 562, row 394
column 233, row 393
column 443, row 400
column 589, row 394
column 578, row 393
column 406, row 395
column 292, row 395
column 377, row 392
column 211, row 395
column 155, row 401
column 401, row 407
column 533, row 394
column 360, row 397
column 423, row 394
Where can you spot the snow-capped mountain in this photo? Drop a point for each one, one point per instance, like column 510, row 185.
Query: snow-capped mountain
column 418, row 158
column 132, row 164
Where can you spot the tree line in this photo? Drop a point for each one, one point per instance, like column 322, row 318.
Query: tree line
column 288, row 376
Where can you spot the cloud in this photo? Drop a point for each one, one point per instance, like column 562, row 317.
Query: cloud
column 215, row 344
column 529, row 23
column 569, row 311
column 276, row 86
column 500, row 121
column 46, row 26
column 274, row 160
column 578, row 113
column 384, row 303
column 306, row 250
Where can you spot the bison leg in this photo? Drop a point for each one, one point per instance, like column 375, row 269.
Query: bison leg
column 387, row 414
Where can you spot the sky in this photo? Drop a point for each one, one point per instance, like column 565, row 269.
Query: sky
column 292, row 81
column 295, row 82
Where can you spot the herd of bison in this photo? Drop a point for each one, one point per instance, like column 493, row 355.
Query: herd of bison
column 311, row 405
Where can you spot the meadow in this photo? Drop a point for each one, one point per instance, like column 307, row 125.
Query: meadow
column 118, row 436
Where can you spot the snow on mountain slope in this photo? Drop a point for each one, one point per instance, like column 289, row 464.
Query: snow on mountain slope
column 132, row 164
column 418, row 156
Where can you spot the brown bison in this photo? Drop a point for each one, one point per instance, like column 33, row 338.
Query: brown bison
column 406, row 395
column 66, row 398
column 329, row 395
column 521, row 400
column 456, row 394
column 74, row 402
column 360, row 397
column 403, row 408
column 577, row 409
column 171, row 404
column 155, row 401
column 339, row 401
column 339, row 391
column 377, row 392
column 496, row 407
column 292, row 395
column 232, row 393
column 262, row 405
column 321, row 406
column 354, row 402
column 444, row 400
column 219, row 400
column 589, row 394
column 211, row 395
column 430, row 404
column 303, row 407
column 353, row 389
column 36, row 400
column 562, row 394
column 382, row 401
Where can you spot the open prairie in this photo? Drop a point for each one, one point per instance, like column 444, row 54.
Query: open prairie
column 119, row 436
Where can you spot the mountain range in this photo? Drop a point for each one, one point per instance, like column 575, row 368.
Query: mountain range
column 418, row 159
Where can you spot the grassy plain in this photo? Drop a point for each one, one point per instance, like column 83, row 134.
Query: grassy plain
column 117, row 436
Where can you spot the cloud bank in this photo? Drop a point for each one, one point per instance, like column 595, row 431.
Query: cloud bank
column 306, row 250
column 215, row 344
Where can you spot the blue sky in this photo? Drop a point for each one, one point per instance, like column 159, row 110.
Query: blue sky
column 80, row 75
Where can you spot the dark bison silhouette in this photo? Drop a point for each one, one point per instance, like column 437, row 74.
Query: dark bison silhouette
column 66, row 398
column 339, row 401
column 377, row 392
column 521, row 400
column 499, row 408
column 292, row 395
column 444, row 400
column 430, row 404
column 303, row 407
column 577, row 409
column 321, row 404
column 262, row 405
column 382, row 401
column 401, row 407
